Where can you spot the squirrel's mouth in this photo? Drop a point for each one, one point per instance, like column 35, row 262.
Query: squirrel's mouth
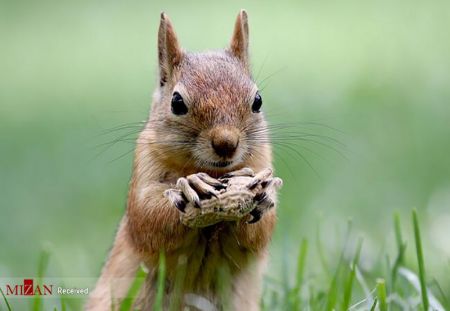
column 218, row 164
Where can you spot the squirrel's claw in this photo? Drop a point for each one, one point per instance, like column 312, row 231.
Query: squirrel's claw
column 264, row 175
column 263, row 200
column 263, row 203
column 193, row 189
column 246, row 171
column 202, row 188
column 211, row 181
column 256, row 216
column 176, row 198
column 272, row 182
column 190, row 194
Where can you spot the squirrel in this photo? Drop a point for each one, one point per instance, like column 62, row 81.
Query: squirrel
column 205, row 128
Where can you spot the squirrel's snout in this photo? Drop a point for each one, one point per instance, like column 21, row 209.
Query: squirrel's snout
column 224, row 148
column 225, row 141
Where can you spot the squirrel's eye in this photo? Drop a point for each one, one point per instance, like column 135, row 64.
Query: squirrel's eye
column 257, row 103
column 178, row 105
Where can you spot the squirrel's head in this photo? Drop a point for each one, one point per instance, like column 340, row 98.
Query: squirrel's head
column 206, row 110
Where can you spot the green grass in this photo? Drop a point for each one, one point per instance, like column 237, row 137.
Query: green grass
column 381, row 295
column 420, row 260
column 8, row 306
column 307, row 291
column 42, row 267
column 301, row 263
column 158, row 305
column 133, row 292
column 351, row 277
column 342, row 293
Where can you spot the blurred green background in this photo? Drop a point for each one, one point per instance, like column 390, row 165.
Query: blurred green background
column 369, row 78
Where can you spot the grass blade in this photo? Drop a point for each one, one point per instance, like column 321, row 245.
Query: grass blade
column 381, row 293
column 177, row 296
column 414, row 280
column 397, row 264
column 420, row 261
column 132, row 293
column 322, row 258
column 372, row 308
column 301, row 263
column 351, row 277
column 285, row 278
column 401, row 247
column 6, row 300
column 444, row 298
column 398, row 232
column 333, row 289
column 42, row 267
column 332, row 292
column 158, row 306
column 295, row 292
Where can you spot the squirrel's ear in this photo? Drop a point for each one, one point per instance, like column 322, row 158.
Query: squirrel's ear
column 169, row 51
column 239, row 41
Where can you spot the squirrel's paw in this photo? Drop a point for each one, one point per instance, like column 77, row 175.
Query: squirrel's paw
column 264, row 198
column 192, row 190
column 263, row 185
column 205, row 201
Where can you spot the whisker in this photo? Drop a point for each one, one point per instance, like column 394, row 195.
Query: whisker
column 120, row 127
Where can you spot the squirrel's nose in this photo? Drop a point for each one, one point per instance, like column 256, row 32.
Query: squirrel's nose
column 225, row 142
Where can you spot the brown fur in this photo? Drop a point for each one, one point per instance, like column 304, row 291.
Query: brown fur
column 218, row 91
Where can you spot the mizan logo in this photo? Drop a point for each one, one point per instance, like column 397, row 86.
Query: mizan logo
column 29, row 289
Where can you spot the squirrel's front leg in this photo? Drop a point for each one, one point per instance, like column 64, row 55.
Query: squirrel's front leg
column 153, row 223
column 255, row 231
column 117, row 274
